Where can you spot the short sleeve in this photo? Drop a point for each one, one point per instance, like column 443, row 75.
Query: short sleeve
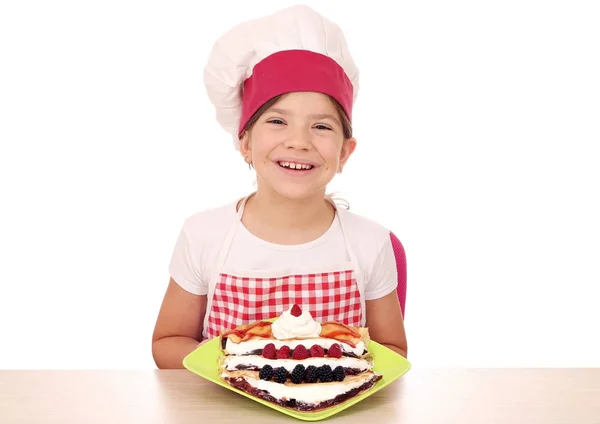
column 388, row 271
column 185, row 265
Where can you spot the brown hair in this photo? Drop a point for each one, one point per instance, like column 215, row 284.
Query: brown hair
column 346, row 124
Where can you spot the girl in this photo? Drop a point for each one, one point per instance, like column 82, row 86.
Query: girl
column 283, row 86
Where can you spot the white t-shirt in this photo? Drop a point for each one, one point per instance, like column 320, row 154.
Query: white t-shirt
column 193, row 263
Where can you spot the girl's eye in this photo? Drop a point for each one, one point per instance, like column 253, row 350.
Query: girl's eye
column 322, row 127
column 275, row 121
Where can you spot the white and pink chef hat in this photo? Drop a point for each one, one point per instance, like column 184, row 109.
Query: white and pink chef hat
column 294, row 49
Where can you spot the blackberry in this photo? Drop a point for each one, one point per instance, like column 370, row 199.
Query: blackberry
column 338, row 373
column 298, row 374
column 280, row 375
column 266, row 372
column 312, row 374
column 325, row 374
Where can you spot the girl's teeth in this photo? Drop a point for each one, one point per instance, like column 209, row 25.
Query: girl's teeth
column 294, row 165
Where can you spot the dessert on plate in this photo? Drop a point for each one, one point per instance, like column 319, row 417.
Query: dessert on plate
column 296, row 362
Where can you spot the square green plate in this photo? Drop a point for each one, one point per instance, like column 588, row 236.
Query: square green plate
column 203, row 362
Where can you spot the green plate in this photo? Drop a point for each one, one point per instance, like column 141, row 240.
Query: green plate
column 390, row 365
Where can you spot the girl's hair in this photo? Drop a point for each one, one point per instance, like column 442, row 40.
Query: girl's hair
column 346, row 127
column 346, row 124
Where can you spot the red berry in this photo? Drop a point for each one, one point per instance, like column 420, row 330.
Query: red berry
column 296, row 311
column 317, row 351
column 284, row 352
column 300, row 352
column 335, row 351
column 269, row 351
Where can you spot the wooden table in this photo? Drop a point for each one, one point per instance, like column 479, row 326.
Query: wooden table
column 533, row 396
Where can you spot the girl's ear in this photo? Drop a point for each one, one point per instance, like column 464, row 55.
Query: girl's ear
column 347, row 149
column 245, row 148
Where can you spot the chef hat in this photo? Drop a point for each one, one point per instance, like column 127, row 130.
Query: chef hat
column 294, row 49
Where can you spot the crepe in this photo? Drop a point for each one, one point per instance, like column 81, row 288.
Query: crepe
column 298, row 363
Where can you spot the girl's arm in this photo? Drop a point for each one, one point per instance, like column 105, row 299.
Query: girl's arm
column 386, row 324
column 178, row 329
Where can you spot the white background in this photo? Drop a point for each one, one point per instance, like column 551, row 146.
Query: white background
column 478, row 125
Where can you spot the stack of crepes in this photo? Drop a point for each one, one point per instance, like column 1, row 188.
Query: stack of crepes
column 297, row 362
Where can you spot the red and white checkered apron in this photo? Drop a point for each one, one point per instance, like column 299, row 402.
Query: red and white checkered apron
column 329, row 296
column 242, row 298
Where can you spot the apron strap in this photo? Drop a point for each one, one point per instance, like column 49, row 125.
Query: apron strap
column 224, row 251
column 221, row 258
column 358, row 274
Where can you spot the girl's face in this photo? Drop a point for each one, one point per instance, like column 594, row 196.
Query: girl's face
column 297, row 145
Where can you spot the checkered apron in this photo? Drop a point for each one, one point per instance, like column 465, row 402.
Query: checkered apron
column 244, row 297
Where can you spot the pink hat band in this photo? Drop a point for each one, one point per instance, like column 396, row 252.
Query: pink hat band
column 294, row 70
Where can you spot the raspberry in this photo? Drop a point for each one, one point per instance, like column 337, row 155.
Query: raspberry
column 296, row 311
column 300, row 352
column 280, row 375
column 284, row 352
column 298, row 374
column 269, row 351
column 266, row 372
column 312, row 374
column 335, row 351
column 317, row 351
column 338, row 373
column 325, row 374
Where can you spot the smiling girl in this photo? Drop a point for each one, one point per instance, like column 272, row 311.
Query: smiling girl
column 283, row 86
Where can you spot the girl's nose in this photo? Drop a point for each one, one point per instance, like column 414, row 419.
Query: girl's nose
column 299, row 139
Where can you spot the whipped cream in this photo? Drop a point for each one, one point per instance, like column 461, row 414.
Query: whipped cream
column 308, row 393
column 287, row 326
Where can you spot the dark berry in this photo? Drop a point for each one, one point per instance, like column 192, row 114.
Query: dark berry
column 296, row 311
column 266, row 372
column 317, row 351
column 325, row 374
column 338, row 373
column 280, row 375
column 269, row 351
column 284, row 352
column 298, row 374
column 300, row 352
column 335, row 351
column 312, row 374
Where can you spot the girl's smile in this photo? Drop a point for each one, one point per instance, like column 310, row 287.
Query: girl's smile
column 296, row 167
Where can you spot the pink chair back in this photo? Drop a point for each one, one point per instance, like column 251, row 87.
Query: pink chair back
column 400, row 256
